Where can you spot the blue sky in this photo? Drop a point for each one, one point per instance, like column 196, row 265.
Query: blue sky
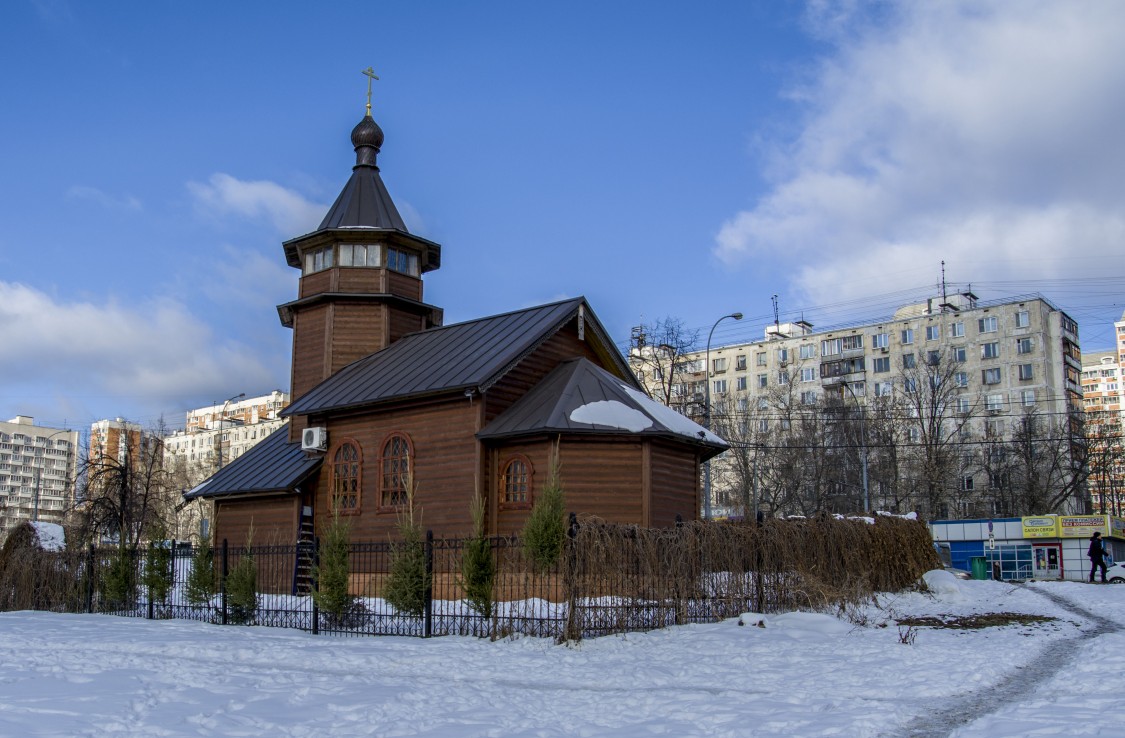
column 663, row 159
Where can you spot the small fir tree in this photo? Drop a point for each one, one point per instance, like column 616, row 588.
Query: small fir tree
column 478, row 570
column 200, row 586
column 408, row 580
column 331, row 572
column 118, row 585
column 544, row 533
column 158, row 564
column 242, row 586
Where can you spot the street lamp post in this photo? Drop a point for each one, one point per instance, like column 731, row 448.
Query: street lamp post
column 222, row 417
column 863, row 440
column 707, row 414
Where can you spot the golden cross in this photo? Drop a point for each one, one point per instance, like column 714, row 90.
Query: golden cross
column 370, row 73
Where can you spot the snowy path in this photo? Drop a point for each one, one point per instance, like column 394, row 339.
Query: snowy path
column 802, row 674
column 1053, row 659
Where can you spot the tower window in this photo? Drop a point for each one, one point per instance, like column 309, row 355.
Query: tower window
column 318, row 260
column 402, row 261
column 361, row 255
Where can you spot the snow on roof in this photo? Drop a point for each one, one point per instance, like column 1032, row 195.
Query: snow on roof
column 671, row 419
column 612, row 414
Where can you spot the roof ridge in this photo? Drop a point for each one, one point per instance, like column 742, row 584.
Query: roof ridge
column 427, row 331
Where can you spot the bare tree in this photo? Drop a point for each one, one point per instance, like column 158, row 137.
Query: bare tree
column 1048, row 462
column 1106, row 460
column 659, row 358
column 125, row 490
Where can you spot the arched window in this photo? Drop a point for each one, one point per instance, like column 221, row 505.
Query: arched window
column 397, row 469
column 346, row 476
column 516, row 483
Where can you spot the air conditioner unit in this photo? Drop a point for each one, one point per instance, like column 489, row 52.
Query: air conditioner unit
column 314, row 439
column 885, row 350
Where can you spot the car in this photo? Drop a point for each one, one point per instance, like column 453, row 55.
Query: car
column 1115, row 573
column 961, row 573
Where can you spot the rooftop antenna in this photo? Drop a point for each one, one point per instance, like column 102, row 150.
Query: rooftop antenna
column 776, row 322
column 944, row 298
column 371, row 77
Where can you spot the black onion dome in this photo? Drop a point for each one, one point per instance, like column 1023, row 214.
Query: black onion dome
column 367, row 138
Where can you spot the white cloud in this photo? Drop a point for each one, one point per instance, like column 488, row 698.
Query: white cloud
column 287, row 211
column 984, row 133
column 247, row 278
column 150, row 352
column 104, row 199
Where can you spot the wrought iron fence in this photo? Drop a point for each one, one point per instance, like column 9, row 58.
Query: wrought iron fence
column 609, row 579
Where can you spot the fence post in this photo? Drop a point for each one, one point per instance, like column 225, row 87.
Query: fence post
column 315, row 584
column 90, row 580
column 223, row 582
column 143, row 566
column 428, row 607
column 571, row 630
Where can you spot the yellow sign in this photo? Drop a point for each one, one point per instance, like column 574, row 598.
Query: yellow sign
column 1042, row 526
column 1117, row 527
column 1083, row 526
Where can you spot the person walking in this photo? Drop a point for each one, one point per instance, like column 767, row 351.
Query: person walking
column 1097, row 556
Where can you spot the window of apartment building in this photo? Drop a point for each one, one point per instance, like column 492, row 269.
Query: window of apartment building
column 783, row 376
column 908, row 335
column 883, row 389
column 763, row 425
column 994, row 403
column 783, row 355
column 1023, row 319
column 880, row 341
column 933, row 332
column 933, row 358
column 1027, row 397
column 881, row 364
column 957, row 330
column 961, row 379
column 990, row 350
column 808, row 397
column 808, row 374
column 1023, row 345
column 808, row 351
column 1026, row 372
column 993, row 428
column 967, row 483
column 740, row 384
column 718, row 366
column 763, row 403
column 913, row 434
column 963, row 405
column 908, row 361
column 987, row 325
column 763, row 381
column 719, row 386
column 760, row 358
column 858, row 389
column 740, row 363
column 743, row 404
column 909, row 384
column 958, row 353
column 990, row 376
column 851, row 343
column 830, row 347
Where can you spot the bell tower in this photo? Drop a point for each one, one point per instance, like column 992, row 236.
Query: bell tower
column 361, row 273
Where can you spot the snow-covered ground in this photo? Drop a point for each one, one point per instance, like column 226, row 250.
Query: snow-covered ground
column 802, row 674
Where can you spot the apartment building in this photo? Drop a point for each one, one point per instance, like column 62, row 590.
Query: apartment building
column 1006, row 358
column 246, row 411
column 213, row 437
column 1103, row 397
column 38, row 465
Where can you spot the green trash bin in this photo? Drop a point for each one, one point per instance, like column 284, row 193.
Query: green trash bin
column 979, row 566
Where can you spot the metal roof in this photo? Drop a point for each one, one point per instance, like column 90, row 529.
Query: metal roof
column 273, row 465
column 364, row 202
column 470, row 355
column 579, row 397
